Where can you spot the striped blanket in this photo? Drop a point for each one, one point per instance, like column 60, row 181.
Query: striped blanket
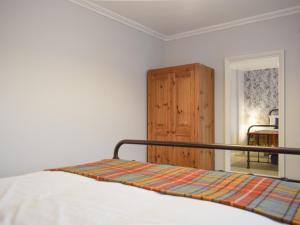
column 273, row 198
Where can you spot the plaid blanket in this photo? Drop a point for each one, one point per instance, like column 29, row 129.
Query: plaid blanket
column 273, row 198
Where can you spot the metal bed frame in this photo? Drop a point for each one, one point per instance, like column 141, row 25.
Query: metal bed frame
column 248, row 142
column 277, row 150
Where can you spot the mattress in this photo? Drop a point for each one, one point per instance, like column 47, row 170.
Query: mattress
column 45, row 198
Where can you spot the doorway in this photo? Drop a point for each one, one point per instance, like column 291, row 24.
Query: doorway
column 254, row 111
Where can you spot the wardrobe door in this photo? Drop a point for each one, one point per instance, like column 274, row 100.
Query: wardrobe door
column 159, row 95
column 183, row 115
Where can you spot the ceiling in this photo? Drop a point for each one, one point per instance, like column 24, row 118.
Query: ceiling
column 172, row 17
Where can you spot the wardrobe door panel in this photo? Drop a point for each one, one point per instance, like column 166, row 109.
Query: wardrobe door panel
column 185, row 156
column 159, row 103
column 159, row 92
column 183, row 113
column 183, row 106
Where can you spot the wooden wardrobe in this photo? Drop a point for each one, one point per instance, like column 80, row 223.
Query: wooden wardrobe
column 181, row 108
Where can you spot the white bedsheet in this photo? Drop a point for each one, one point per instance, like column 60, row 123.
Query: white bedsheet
column 51, row 198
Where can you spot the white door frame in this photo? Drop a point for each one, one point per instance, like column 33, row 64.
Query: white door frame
column 281, row 106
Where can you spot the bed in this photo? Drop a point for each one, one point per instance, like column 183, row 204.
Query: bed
column 69, row 196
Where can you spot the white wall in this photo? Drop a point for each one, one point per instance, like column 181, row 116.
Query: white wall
column 72, row 83
column 212, row 48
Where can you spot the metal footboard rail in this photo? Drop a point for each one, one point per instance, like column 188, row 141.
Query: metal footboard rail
column 222, row 147
column 275, row 150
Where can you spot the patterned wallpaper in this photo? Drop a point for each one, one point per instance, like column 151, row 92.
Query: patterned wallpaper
column 260, row 94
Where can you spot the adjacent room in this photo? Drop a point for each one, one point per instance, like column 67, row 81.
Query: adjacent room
column 255, row 112
column 149, row 112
